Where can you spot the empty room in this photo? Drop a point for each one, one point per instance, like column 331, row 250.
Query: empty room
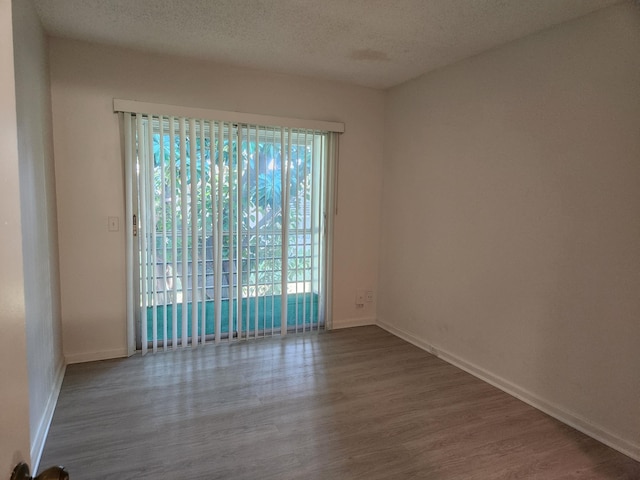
column 286, row 239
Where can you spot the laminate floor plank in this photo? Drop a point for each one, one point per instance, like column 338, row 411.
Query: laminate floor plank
column 357, row 403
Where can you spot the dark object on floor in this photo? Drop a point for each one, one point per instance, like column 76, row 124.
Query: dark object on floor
column 21, row 472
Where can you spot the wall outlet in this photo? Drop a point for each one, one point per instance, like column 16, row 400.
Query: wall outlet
column 360, row 295
column 369, row 296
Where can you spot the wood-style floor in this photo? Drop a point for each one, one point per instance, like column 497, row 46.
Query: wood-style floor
column 349, row 404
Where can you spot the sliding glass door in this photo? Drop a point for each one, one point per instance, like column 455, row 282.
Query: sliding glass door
column 229, row 229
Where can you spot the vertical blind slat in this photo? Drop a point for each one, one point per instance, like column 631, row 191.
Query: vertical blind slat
column 312, row 226
column 152, row 233
column 314, row 220
column 164, row 233
column 256, row 160
column 204, row 164
column 214, row 226
column 285, row 141
column 273, row 240
column 239, row 294
column 129, row 154
column 193, row 219
column 304, row 233
column 174, row 233
column 217, row 277
column 230, row 261
column 142, row 233
column 184, row 229
column 296, row 226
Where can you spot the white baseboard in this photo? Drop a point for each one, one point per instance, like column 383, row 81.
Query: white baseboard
column 37, row 445
column 94, row 356
column 353, row 322
column 565, row 416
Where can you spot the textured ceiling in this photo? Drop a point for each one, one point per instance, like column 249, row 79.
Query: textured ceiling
column 376, row 43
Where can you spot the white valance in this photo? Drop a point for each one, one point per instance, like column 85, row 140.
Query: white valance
column 132, row 106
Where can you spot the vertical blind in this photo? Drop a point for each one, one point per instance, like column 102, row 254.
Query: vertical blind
column 228, row 233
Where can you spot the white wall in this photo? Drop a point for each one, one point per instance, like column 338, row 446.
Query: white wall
column 85, row 78
column 39, row 223
column 511, row 214
column 14, row 401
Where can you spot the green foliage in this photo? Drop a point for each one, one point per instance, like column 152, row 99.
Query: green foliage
column 219, row 169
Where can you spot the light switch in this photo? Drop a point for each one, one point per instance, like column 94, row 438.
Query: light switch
column 114, row 224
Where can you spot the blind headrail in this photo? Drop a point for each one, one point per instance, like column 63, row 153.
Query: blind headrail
column 133, row 106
